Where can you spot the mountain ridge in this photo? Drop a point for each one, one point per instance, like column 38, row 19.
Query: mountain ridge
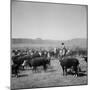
column 77, row 42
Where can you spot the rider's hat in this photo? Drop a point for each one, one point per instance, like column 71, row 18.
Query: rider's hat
column 62, row 43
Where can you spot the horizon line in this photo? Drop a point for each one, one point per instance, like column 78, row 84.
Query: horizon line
column 48, row 39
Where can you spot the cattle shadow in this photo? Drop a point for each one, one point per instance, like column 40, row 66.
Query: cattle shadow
column 27, row 69
column 23, row 75
column 40, row 71
column 81, row 73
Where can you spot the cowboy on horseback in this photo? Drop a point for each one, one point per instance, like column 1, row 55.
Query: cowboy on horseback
column 63, row 51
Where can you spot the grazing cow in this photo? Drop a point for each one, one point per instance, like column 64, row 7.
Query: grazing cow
column 40, row 61
column 69, row 63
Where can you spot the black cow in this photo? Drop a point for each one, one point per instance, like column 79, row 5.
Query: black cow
column 40, row 61
column 15, row 69
column 18, row 62
column 69, row 63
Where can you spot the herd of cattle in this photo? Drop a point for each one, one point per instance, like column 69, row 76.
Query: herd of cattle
column 34, row 58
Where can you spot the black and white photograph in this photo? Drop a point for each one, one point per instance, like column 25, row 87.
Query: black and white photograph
column 49, row 44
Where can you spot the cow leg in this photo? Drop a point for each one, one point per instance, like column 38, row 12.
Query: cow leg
column 34, row 68
column 15, row 69
column 23, row 67
column 30, row 65
column 79, row 69
column 16, row 72
column 45, row 67
column 65, row 71
column 76, row 69
column 49, row 62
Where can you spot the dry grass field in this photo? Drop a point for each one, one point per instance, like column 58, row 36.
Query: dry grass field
column 52, row 77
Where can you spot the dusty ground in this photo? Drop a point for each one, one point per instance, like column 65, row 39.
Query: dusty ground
column 52, row 77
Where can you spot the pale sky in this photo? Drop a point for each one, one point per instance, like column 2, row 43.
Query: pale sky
column 48, row 21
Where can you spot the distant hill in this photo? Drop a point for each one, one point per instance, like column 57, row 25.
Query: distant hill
column 81, row 43
column 78, row 42
column 33, row 41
